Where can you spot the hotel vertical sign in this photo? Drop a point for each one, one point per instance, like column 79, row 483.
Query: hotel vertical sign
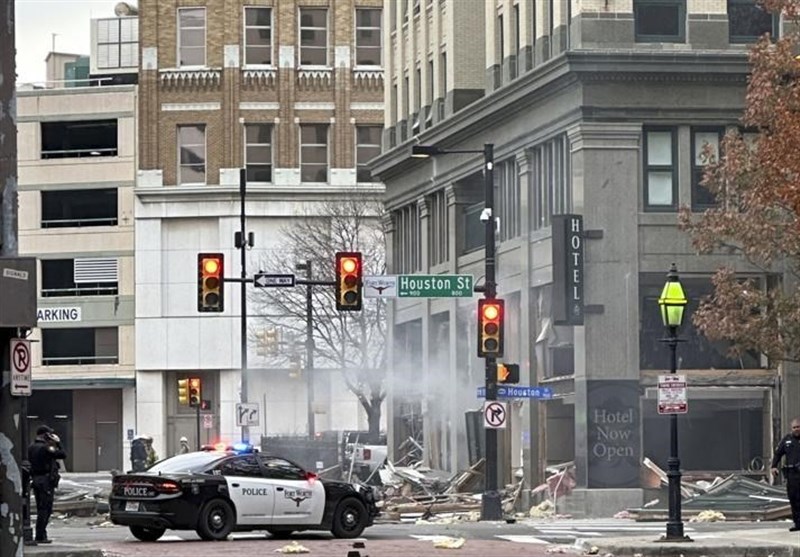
column 568, row 269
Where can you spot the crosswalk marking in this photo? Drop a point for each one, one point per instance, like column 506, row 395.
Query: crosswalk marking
column 523, row 539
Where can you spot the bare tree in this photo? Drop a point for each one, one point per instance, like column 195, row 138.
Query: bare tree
column 352, row 342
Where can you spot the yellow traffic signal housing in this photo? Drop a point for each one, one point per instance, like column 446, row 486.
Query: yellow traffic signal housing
column 183, row 392
column 348, row 281
column 508, row 373
column 195, row 392
column 490, row 328
column 210, row 282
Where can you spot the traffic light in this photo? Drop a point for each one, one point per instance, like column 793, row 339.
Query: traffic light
column 348, row 281
column 490, row 328
column 210, row 282
column 183, row 392
column 195, row 392
column 508, row 373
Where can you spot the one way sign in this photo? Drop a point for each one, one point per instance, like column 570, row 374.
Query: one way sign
column 495, row 414
column 265, row 280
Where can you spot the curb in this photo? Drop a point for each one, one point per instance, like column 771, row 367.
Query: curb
column 63, row 551
column 733, row 548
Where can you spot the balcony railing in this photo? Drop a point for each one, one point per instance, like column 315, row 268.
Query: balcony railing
column 64, row 223
column 79, row 360
column 80, row 291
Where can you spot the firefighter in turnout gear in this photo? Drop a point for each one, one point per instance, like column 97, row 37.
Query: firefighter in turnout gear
column 789, row 448
column 44, row 454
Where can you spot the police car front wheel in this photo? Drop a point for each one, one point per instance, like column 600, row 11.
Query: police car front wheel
column 144, row 534
column 217, row 520
column 350, row 519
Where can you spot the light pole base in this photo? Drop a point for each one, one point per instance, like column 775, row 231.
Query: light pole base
column 491, row 506
column 679, row 539
column 675, row 533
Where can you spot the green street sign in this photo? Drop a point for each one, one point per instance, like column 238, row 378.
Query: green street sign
column 434, row 286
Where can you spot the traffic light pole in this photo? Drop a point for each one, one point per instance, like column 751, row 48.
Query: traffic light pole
column 491, row 507
column 242, row 245
column 199, row 444
column 309, row 352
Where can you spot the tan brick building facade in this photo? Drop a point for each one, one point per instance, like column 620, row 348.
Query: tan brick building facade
column 292, row 90
column 227, row 91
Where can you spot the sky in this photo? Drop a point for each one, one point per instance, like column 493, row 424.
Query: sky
column 37, row 20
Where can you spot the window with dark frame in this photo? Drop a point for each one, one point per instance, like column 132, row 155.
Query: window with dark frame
column 705, row 354
column 705, row 151
column 80, row 346
column 117, row 42
column 660, row 176
column 257, row 36
column 474, row 229
column 192, row 154
column 368, row 37
column 659, row 20
column 280, row 469
column 748, row 21
column 79, row 208
column 79, row 138
column 313, row 37
column 79, row 277
column 191, row 37
column 368, row 146
column 314, row 153
column 245, row 466
column 258, row 152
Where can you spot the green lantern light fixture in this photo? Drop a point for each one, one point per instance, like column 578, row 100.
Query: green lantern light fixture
column 673, row 300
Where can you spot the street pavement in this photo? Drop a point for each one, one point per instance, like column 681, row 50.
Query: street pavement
column 532, row 538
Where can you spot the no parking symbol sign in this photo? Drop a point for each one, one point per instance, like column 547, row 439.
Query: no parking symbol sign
column 20, row 367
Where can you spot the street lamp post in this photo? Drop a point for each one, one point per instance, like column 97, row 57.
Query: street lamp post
column 491, row 505
column 672, row 304
column 306, row 266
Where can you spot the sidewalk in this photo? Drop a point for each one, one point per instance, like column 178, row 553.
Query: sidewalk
column 774, row 542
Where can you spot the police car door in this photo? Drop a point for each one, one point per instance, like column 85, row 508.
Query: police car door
column 298, row 499
column 251, row 493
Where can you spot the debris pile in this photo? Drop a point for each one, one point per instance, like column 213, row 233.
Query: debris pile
column 733, row 497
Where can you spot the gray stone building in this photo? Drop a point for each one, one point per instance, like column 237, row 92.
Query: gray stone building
column 599, row 109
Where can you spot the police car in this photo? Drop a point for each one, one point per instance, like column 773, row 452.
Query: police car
column 215, row 492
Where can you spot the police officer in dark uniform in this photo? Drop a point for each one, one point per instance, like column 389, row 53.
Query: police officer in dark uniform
column 789, row 448
column 43, row 454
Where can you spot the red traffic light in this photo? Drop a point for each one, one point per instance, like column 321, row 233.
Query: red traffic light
column 490, row 328
column 348, row 281
column 210, row 290
column 195, row 393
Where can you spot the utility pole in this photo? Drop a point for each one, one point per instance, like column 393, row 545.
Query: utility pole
column 309, row 348
column 491, row 504
column 17, row 308
column 242, row 241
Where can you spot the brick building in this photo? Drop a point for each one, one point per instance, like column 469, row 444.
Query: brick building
column 292, row 91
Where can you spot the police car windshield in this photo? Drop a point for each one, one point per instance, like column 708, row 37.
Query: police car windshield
column 190, row 463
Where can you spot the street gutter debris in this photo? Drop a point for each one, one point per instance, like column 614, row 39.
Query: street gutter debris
column 293, row 547
column 446, row 542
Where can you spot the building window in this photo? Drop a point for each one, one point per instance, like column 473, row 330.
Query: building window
column 748, row 20
column 191, row 36
column 439, row 228
column 368, row 146
column 550, row 182
column 258, row 152
column 508, row 202
column 368, row 37
column 80, row 346
column 192, row 154
column 407, row 251
column 79, row 277
column 257, row 36
column 660, row 20
column 117, row 43
column 314, row 153
column 81, row 138
column 661, row 185
column 474, row 229
column 79, row 208
column 705, row 354
column 705, row 151
column 313, row 37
